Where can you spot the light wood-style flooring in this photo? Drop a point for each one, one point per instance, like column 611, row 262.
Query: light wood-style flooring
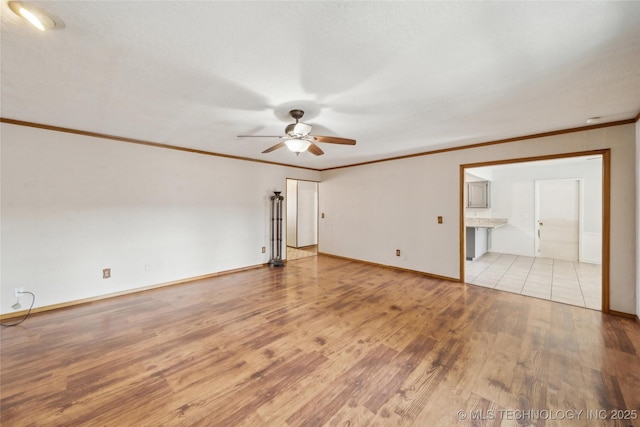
column 322, row 341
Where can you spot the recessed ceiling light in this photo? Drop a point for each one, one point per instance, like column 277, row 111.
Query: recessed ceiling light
column 39, row 18
column 592, row 120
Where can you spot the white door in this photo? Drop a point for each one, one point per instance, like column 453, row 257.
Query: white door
column 307, row 233
column 558, row 219
column 292, row 212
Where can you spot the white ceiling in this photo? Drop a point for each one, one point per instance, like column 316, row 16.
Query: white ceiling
column 399, row 77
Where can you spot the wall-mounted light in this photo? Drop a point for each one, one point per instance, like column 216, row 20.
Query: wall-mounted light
column 38, row 17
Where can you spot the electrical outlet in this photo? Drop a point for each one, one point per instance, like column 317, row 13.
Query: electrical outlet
column 18, row 291
column 397, row 252
column 439, row 220
column 106, row 273
column 264, row 249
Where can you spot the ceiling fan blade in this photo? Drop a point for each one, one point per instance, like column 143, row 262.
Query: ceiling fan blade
column 258, row 136
column 334, row 140
column 275, row 147
column 314, row 149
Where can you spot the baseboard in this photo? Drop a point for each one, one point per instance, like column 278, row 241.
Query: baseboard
column 623, row 314
column 393, row 267
column 451, row 279
column 127, row 292
column 237, row 270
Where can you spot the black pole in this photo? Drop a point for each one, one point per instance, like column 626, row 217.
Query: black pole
column 276, row 230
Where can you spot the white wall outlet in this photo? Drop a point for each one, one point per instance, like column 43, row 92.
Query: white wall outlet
column 106, row 273
column 18, row 291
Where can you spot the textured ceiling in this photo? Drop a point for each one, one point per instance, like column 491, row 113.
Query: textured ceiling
column 399, row 77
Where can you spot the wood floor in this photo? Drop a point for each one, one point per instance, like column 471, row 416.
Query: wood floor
column 323, row 341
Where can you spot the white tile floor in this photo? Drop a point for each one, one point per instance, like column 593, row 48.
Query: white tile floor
column 307, row 251
column 568, row 282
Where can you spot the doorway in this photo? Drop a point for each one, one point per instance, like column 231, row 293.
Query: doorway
column 554, row 242
column 302, row 218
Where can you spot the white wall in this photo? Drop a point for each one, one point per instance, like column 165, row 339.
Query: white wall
column 513, row 197
column 372, row 210
column 73, row 205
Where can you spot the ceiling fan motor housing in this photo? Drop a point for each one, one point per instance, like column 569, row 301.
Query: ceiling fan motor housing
column 296, row 114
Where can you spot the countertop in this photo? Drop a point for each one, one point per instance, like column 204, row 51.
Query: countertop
column 485, row 222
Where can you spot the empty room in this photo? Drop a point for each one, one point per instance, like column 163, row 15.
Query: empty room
column 323, row 213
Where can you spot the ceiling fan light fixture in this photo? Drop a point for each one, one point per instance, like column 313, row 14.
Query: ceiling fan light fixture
column 298, row 129
column 298, row 140
column 39, row 18
column 297, row 145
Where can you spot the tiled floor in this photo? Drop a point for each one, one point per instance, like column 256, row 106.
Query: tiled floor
column 562, row 281
column 297, row 253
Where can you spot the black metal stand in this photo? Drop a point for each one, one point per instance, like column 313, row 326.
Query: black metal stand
column 276, row 230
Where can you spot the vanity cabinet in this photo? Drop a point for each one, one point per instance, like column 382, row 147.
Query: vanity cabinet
column 478, row 194
column 477, row 242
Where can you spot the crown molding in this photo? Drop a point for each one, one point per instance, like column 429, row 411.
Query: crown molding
column 495, row 142
column 142, row 142
column 228, row 156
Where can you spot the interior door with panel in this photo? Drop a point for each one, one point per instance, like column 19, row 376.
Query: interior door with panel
column 558, row 219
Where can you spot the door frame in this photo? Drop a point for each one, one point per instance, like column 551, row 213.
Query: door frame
column 317, row 209
column 606, row 208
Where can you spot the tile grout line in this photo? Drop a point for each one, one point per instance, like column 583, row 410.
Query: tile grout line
column 580, row 284
column 573, row 264
column 485, row 269
column 527, row 276
column 526, row 279
column 552, row 284
column 507, row 269
column 553, row 264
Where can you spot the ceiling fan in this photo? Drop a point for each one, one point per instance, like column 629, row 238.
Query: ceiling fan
column 298, row 139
